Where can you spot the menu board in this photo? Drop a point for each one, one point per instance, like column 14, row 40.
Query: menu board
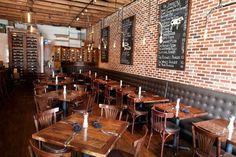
column 127, row 37
column 172, row 39
column 104, row 44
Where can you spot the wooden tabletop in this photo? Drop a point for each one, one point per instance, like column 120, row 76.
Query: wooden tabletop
column 219, row 127
column 70, row 96
column 101, row 81
column 148, row 97
column 170, row 107
column 91, row 141
column 52, row 82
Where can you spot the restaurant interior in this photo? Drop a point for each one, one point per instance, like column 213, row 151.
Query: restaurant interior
column 117, row 78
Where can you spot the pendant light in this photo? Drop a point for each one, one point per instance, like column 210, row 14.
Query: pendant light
column 114, row 43
column 122, row 33
column 149, row 19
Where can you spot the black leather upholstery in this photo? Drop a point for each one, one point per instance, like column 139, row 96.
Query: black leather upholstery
column 217, row 104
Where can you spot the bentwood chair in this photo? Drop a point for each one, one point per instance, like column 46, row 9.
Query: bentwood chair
column 111, row 111
column 203, row 142
column 86, row 105
column 137, row 145
column 79, row 87
column 43, row 120
column 135, row 111
column 107, row 95
column 35, row 152
column 160, row 124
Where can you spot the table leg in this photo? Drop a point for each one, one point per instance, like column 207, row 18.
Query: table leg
column 65, row 108
column 229, row 147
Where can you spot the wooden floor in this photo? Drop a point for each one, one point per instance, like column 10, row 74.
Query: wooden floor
column 16, row 127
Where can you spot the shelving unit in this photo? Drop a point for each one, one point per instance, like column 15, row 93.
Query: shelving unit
column 24, row 51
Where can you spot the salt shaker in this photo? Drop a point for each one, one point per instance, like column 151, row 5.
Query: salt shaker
column 139, row 91
column 53, row 74
column 56, row 81
column 64, row 89
column 85, row 123
column 230, row 127
column 120, row 83
column 177, row 107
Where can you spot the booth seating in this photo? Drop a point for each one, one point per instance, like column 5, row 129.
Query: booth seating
column 217, row 104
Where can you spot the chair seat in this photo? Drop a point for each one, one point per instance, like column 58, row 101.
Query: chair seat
column 53, row 148
column 119, row 153
column 171, row 128
column 137, row 112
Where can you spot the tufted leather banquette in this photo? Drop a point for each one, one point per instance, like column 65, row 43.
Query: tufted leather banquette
column 217, row 104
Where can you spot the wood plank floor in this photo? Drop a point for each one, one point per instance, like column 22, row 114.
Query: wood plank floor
column 16, row 127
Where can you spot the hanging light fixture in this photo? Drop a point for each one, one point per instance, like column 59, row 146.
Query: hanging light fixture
column 149, row 16
column 114, row 43
column 122, row 33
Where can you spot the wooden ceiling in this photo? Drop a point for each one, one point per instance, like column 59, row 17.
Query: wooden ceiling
column 60, row 12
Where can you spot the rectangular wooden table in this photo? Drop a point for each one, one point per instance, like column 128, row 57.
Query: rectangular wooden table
column 219, row 127
column 91, row 141
column 170, row 107
column 70, row 96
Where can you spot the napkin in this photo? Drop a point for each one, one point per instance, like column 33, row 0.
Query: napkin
column 76, row 127
column 185, row 110
column 96, row 124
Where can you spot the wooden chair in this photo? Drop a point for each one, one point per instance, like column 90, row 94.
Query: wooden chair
column 87, row 105
column 137, row 145
column 40, row 89
column 79, row 87
column 43, row 120
column 135, row 113
column 111, row 111
column 107, row 95
column 35, row 151
column 165, row 128
column 120, row 99
column 41, row 103
column 96, row 89
column 203, row 142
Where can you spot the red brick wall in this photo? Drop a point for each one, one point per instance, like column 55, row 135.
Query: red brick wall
column 210, row 61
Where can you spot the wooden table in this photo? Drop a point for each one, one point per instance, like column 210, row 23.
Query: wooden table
column 61, row 82
column 219, row 127
column 105, row 82
column 69, row 97
column 170, row 107
column 193, row 112
column 148, row 98
column 91, row 141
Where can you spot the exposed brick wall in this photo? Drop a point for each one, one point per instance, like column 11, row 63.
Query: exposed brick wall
column 210, row 61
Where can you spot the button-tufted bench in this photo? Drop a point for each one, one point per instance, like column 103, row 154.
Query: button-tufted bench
column 217, row 104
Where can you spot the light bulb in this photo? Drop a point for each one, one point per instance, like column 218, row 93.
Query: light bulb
column 29, row 17
column 123, row 43
column 114, row 44
column 99, row 46
column 160, row 39
column 77, row 19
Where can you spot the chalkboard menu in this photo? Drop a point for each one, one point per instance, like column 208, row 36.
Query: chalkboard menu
column 104, row 44
column 127, row 37
column 172, row 40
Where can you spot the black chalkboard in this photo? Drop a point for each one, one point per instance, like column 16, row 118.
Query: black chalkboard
column 173, row 23
column 104, row 44
column 127, row 36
